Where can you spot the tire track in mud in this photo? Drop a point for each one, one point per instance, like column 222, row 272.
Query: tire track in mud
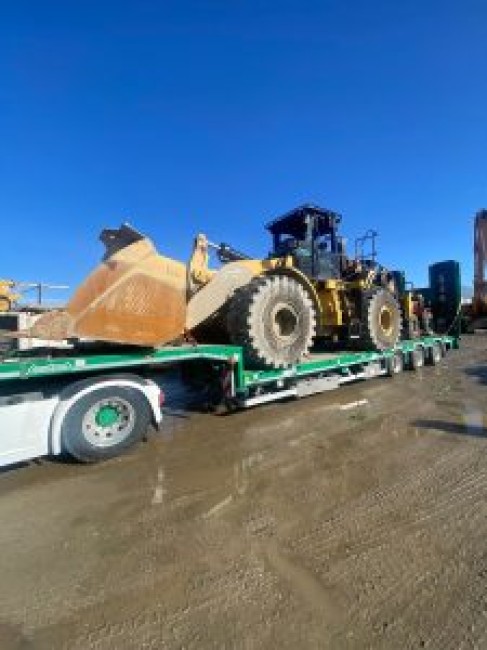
column 372, row 543
column 442, row 617
column 141, row 617
column 357, row 513
column 452, row 486
column 323, row 600
column 409, row 581
column 364, row 516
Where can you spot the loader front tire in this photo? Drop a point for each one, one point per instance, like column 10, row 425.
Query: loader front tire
column 273, row 319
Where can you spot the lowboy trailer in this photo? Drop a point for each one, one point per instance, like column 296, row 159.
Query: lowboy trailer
column 94, row 406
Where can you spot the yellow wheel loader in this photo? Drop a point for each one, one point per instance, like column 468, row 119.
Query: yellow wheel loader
column 274, row 308
column 8, row 297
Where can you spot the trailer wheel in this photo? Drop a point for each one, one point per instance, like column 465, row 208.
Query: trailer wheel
column 434, row 354
column 417, row 358
column 395, row 364
column 105, row 423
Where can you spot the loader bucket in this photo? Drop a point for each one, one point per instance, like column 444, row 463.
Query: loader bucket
column 135, row 296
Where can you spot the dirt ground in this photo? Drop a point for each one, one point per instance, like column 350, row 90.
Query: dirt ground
column 353, row 519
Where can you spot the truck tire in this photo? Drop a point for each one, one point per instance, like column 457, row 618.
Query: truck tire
column 417, row 358
column 273, row 319
column 395, row 364
column 105, row 423
column 381, row 323
column 434, row 354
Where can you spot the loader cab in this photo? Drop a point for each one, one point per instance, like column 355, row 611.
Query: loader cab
column 309, row 235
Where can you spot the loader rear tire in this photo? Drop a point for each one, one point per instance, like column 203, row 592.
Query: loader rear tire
column 381, row 320
column 273, row 319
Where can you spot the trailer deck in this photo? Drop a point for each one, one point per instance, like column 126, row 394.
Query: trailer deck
column 94, row 404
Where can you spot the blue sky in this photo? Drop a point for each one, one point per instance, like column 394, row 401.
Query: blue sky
column 216, row 116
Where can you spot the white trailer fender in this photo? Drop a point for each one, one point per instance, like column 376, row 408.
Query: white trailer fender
column 72, row 393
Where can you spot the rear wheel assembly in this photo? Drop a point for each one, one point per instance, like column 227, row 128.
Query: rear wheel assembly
column 104, row 423
column 434, row 354
column 417, row 358
column 381, row 320
column 273, row 319
column 395, row 363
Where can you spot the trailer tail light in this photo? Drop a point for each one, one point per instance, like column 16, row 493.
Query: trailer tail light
column 162, row 398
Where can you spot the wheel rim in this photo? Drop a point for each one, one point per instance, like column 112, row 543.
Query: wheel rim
column 284, row 322
column 108, row 422
column 386, row 320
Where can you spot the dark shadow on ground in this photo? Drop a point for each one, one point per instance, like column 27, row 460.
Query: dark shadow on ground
column 457, row 428
column 14, row 467
column 478, row 372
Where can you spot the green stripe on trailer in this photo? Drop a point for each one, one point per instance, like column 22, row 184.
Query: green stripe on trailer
column 23, row 401
column 25, row 368
column 340, row 361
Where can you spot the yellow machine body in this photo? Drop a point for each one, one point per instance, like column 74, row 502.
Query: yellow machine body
column 8, row 297
column 137, row 296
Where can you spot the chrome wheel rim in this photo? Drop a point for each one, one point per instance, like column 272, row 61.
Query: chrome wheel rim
column 108, row 422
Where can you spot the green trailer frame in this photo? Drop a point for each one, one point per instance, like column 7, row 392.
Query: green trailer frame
column 18, row 368
column 41, row 395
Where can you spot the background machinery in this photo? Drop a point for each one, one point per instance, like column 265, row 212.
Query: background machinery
column 474, row 312
column 13, row 295
column 480, row 261
column 8, row 295
column 18, row 312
